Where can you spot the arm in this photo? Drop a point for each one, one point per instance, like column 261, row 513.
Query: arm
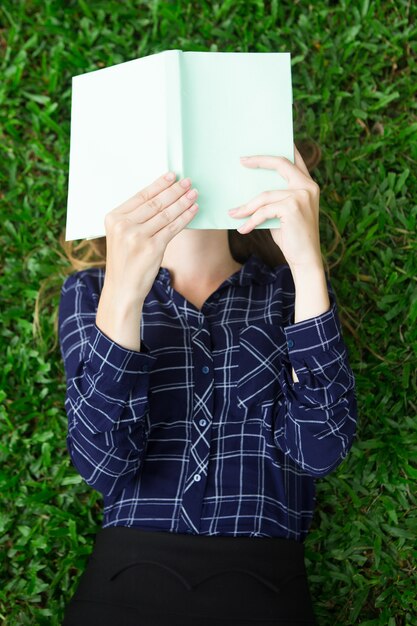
column 316, row 423
column 107, row 385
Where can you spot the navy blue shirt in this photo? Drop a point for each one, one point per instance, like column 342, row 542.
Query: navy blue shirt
column 203, row 430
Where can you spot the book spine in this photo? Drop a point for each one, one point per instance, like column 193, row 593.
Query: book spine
column 174, row 122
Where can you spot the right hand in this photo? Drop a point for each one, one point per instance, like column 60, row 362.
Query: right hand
column 137, row 233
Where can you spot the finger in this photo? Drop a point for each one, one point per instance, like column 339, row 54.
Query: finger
column 259, row 217
column 269, row 211
column 168, row 231
column 159, row 214
column 258, row 201
column 289, row 171
column 144, row 195
column 161, row 207
column 300, row 162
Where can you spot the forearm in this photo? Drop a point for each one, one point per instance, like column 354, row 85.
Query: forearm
column 119, row 318
column 311, row 295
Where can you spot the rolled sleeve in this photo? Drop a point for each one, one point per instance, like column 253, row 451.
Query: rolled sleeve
column 107, row 384
column 315, row 334
column 107, row 391
column 316, row 423
column 116, row 363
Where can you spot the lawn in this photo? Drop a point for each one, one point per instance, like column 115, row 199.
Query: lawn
column 354, row 79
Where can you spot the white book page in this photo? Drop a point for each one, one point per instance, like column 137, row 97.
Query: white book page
column 118, row 140
column 234, row 104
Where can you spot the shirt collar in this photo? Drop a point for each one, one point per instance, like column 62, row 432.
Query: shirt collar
column 254, row 270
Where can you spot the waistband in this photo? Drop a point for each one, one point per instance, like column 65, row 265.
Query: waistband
column 273, row 561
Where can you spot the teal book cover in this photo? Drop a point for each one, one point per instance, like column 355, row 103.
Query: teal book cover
column 195, row 113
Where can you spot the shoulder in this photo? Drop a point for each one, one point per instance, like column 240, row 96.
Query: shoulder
column 281, row 277
column 90, row 279
column 283, row 280
column 82, row 287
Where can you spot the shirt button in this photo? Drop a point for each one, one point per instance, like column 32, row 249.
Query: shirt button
column 205, row 369
column 290, row 343
column 216, row 296
column 197, row 477
column 202, row 422
column 145, row 368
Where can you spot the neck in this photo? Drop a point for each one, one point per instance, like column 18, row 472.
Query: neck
column 200, row 257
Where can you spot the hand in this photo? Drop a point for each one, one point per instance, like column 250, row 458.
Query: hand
column 297, row 207
column 138, row 231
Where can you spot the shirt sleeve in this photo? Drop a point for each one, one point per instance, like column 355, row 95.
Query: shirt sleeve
column 106, row 396
column 316, row 423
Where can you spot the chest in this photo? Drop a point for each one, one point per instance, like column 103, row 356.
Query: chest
column 231, row 367
column 230, row 357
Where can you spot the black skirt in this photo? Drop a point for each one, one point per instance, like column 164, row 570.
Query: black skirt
column 136, row 577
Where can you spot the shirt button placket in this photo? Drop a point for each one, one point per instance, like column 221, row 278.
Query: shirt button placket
column 200, row 428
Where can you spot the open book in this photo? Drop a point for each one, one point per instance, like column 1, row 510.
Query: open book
column 195, row 113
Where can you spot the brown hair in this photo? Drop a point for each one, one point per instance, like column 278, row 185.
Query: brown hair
column 92, row 253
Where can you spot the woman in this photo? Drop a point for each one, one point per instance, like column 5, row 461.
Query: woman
column 204, row 434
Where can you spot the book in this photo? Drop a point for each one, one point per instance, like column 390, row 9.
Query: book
column 195, row 113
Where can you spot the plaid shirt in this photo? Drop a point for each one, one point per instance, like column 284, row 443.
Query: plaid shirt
column 203, row 430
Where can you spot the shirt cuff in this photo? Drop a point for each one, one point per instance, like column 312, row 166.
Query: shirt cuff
column 314, row 334
column 116, row 363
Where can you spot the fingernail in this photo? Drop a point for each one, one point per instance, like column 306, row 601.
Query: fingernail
column 244, row 158
column 232, row 210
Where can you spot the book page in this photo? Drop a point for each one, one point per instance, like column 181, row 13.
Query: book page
column 118, row 140
column 234, row 104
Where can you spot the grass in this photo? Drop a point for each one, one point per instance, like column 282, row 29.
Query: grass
column 354, row 79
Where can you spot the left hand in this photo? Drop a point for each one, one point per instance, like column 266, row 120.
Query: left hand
column 297, row 208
